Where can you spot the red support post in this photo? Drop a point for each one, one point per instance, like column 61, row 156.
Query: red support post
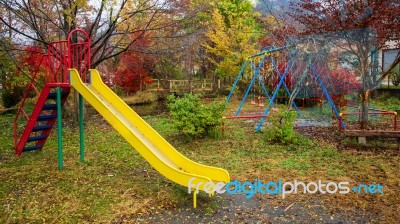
column 320, row 105
column 340, row 123
column 223, row 127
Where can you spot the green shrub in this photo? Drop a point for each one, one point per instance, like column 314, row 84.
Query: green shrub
column 281, row 129
column 193, row 119
column 396, row 79
column 395, row 75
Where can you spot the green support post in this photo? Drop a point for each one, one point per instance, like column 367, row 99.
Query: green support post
column 59, row 128
column 81, row 130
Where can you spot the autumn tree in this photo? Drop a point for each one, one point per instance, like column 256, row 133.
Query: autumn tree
column 16, row 75
column 276, row 24
column 174, row 48
column 113, row 26
column 135, row 66
column 9, row 95
column 110, row 24
column 183, row 56
column 232, row 36
column 356, row 26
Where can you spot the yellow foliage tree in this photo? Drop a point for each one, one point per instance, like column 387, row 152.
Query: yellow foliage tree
column 228, row 47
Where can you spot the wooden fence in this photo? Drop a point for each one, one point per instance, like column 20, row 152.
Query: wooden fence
column 181, row 86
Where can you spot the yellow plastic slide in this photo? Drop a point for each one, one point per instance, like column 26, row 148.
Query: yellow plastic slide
column 154, row 148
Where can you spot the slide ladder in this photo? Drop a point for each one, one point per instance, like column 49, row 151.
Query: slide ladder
column 41, row 120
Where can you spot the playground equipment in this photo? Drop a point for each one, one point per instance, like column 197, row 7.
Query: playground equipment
column 72, row 69
column 371, row 111
column 363, row 134
column 308, row 70
column 256, row 75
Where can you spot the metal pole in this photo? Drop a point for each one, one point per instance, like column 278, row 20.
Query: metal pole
column 284, row 84
column 236, row 82
column 281, row 81
column 270, row 51
column 255, row 76
column 59, row 129
column 194, row 199
column 315, row 72
column 223, row 127
column 264, row 88
column 81, row 130
column 339, row 124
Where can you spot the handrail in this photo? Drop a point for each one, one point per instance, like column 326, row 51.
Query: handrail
column 27, row 92
column 79, row 53
column 378, row 111
column 57, row 61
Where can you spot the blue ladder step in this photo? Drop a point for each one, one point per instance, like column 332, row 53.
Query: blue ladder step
column 31, row 148
column 41, row 128
column 46, row 117
column 49, row 107
column 53, row 96
column 36, row 138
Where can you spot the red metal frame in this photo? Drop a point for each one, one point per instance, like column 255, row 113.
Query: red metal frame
column 32, row 120
column 57, row 62
column 79, row 53
column 61, row 56
column 383, row 112
column 246, row 116
column 317, row 99
column 21, row 109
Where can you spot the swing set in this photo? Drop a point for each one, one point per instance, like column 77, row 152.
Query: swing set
column 268, row 55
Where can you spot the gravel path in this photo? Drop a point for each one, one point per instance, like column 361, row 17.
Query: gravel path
column 266, row 209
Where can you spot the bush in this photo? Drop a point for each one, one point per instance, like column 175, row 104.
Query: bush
column 395, row 75
column 395, row 78
column 10, row 98
column 193, row 119
column 281, row 129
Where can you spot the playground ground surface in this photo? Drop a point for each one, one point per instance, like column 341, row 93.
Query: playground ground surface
column 116, row 185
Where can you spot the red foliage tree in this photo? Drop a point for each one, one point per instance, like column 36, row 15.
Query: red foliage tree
column 135, row 67
column 276, row 78
column 359, row 26
column 29, row 63
column 33, row 59
column 344, row 81
column 321, row 16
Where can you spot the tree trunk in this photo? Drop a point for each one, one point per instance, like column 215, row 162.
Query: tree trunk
column 364, row 108
column 214, row 83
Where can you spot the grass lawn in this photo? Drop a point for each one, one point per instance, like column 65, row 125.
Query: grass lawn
column 116, row 184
